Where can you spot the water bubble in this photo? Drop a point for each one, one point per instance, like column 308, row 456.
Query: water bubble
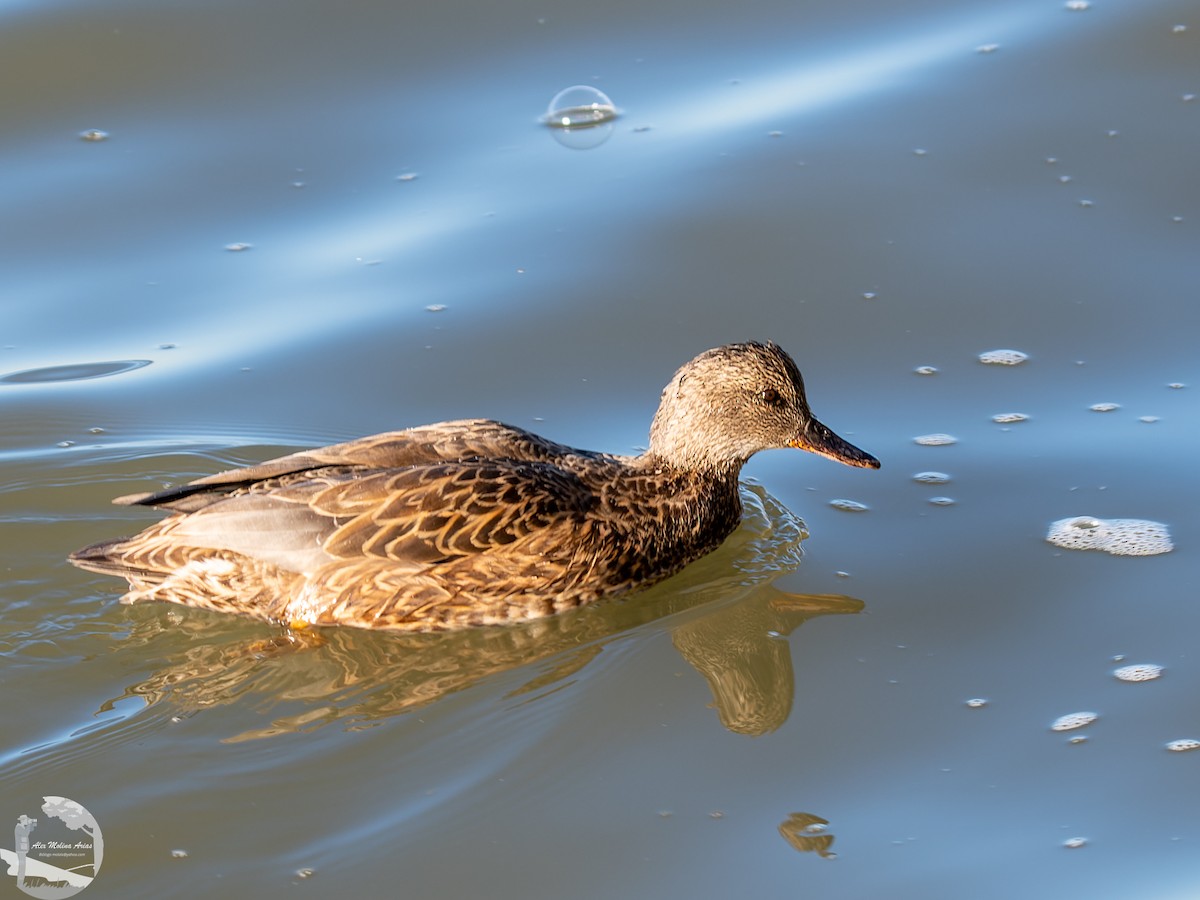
column 1086, row 204
column 1075, row 843
column 581, row 117
column 920, row 151
column 1140, row 672
column 238, row 247
column 1176, row 385
column 1104, row 407
column 305, row 872
column 179, row 854
column 96, row 430
column 436, row 307
column 1007, row 418
column 849, row 505
column 987, row 48
column 94, row 135
column 407, row 176
column 1178, row 29
column 869, row 295
column 1003, row 357
column 925, row 370
column 579, row 106
column 1064, row 179
column 1149, row 420
column 1120, row 537
column 1071, row 721
column 976, row 703
column 931, row 478
column 935, row 440
column 942, row 501
column 1183, row 745
column 1077, row 5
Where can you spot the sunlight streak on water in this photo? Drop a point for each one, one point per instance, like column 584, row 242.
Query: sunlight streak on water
column 840, row 78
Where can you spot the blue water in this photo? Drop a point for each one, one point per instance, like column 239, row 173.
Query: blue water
column 876, row 186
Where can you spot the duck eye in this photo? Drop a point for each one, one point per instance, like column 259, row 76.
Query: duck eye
column 771, row 396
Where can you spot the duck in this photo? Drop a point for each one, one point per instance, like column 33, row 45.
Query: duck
column 471, row 522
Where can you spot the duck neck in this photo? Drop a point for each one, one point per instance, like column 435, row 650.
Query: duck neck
column 704, row 505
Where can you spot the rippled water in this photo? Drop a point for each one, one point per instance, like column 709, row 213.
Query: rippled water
column 307, row 223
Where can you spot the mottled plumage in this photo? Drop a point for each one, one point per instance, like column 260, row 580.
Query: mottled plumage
column 471, row 522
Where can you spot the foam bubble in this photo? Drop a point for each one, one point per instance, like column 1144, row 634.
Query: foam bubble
column 1006, row 418
column 1003, row 357
column 1183, row 745
column 931, row 478
column 935, row 440
column 1142, row 672
column 1071, row 721
column 849, row 505
column 1120, row 537
column 1104, row 407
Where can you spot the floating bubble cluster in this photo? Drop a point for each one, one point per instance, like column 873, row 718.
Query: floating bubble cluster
column 1120, row 537
column 931, row 478
column 1007, row 418
column 926, row 370
column 1071, row 721
column 1183, row 745
column 94, row 135
column 1003, row 357
column 935, row 440
column 1142, row 672
column 849, row 505
column 1104, row 407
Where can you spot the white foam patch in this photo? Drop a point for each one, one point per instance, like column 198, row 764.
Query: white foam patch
column 1071, row 721
column 1183, row 745
column 1141, row 672
column 1120, row 537
column 1003, row 357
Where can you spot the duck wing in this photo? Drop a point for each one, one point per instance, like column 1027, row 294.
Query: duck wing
column 460, row 440
column 414, row 518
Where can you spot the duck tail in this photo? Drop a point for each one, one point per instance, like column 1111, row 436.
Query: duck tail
column 105, row 557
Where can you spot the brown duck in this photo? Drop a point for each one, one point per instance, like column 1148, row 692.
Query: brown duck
column 472, row 522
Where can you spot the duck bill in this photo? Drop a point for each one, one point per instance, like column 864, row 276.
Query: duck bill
column 816, row 438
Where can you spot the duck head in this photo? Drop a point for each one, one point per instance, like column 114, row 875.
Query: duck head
column 728, row 403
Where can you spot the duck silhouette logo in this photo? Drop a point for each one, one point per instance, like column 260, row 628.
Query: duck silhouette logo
column 56, row 854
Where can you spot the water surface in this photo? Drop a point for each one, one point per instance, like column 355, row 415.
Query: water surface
column 877, row 187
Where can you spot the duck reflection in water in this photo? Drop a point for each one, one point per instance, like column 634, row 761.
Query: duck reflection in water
column 725, row 617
